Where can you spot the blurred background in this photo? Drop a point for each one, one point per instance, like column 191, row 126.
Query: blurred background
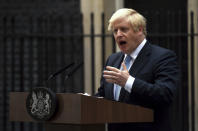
column 39, row 37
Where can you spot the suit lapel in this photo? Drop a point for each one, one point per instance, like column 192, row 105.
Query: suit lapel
column 141, row 60
column 118, row 61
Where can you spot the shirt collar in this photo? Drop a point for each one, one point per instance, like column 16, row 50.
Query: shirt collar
column 135, row 53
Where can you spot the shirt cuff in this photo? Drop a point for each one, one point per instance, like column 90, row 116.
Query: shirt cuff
column 129, row 84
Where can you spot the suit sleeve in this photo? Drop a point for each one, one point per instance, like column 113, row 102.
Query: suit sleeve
column 101, row 90
column 163, row 89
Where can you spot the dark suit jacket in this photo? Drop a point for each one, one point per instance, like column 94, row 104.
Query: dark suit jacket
column 156, row 76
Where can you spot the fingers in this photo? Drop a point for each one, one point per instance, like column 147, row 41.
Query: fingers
column 109, row 77
column 110, row 80
column 111, row 71
column 116, row 76
column 110, row 68
column 111, row 74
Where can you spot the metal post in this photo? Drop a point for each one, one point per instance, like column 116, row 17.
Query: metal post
column 92, row 53
column 192, row 70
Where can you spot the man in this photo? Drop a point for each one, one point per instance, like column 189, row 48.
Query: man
column 149, row 77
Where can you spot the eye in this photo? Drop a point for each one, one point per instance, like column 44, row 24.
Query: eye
column 124, row 29
column 115, row 31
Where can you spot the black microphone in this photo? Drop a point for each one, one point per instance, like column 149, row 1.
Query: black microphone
column 73, row 70
column 59, row 71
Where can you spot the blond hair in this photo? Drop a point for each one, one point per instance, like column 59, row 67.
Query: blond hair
column 135, row 18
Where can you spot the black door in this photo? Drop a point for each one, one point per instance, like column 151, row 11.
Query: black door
column 167, row 27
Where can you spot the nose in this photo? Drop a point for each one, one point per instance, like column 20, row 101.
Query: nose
column 119, row 33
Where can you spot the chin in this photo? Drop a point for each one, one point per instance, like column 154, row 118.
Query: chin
column 123, row 48
column 123, row 51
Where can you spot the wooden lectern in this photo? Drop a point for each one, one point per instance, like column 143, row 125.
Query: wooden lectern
column 77, row 112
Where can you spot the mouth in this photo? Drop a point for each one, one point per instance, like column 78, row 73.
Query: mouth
column 122, row 42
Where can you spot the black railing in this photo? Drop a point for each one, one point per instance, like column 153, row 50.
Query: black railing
column 92, row 54
column 192, row 71
column 30, row 52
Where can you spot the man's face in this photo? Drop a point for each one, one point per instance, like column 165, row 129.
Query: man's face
column 125, row 37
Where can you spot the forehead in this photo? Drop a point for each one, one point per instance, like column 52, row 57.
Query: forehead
column 121, row 22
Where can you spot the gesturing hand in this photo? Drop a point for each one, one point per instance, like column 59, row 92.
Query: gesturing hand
column 114, row 75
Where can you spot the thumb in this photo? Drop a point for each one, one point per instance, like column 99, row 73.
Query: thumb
column 124, row 66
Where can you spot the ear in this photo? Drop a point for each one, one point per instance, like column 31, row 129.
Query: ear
column 140, row 29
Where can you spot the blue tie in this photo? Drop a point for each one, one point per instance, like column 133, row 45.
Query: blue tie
column 127, row 61
column 117, row 88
